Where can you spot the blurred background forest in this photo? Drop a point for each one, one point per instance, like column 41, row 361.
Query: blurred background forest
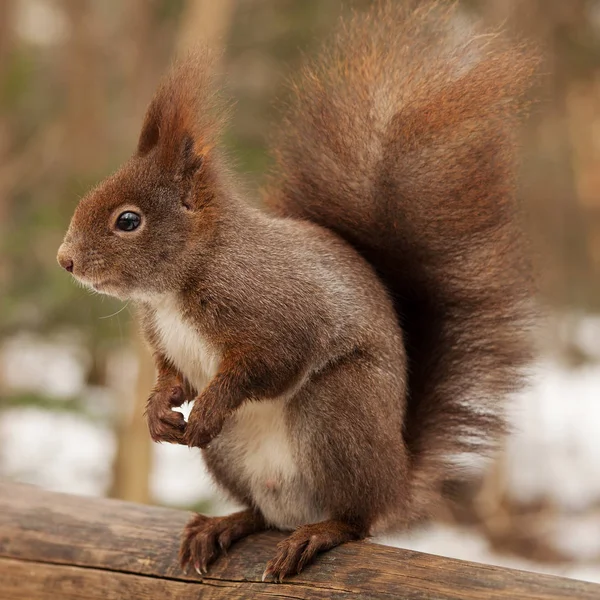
column 75, row 79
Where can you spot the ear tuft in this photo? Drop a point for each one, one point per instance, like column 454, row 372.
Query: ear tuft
column 186, row 115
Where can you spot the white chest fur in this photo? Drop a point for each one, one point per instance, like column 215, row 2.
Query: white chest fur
column 256, row 441
column 184, row 345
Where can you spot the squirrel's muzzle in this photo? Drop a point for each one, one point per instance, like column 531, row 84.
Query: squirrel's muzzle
column 64, row 259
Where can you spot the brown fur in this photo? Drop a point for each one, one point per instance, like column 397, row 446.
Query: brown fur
column 401, row 139
column 381, row 319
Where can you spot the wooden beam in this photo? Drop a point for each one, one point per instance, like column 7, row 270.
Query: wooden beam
column 56, row 546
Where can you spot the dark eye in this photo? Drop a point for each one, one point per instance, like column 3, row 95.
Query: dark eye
column 128, row 221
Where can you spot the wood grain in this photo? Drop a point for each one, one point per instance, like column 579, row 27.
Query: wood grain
column 59, row 546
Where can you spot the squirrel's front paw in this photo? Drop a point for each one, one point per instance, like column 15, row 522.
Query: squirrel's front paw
column 204, row 424
column 165, row 424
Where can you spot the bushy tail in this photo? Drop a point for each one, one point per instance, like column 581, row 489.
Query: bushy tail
column 401, row 139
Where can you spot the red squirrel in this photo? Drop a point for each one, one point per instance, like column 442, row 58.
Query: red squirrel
column 349, row 343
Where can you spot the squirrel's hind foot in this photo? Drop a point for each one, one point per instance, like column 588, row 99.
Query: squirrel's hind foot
column 300, row 548
column 205, row 538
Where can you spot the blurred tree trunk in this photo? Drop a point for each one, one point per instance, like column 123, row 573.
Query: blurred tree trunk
column 201, row 19
column 6, row 11
column 6, row 44
column 133, row 460
column 558, row 142
column 205, row 21
column 86, row 89
column 554, row 174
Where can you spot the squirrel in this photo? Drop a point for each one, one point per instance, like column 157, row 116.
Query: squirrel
column 352, row 341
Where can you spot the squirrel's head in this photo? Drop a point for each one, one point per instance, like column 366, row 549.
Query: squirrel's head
column 135, row 233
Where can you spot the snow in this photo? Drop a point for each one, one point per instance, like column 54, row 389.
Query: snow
column 554, row 451
column 466, row 544
column 60, row 451
column 178, row 477
column 53, row 367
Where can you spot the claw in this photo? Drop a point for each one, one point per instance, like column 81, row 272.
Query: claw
column 203, row 536
column 300, row 548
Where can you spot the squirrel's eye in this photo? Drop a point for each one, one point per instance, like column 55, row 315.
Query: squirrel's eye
column 128, row 221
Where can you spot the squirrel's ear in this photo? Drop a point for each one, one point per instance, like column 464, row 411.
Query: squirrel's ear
column 150, row 129
column 181, row 156
column 190, row 159
column 185, row 117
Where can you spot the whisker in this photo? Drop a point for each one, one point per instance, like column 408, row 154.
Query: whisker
column 116, row 313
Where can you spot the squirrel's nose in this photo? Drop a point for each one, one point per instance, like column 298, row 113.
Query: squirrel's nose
column 64, row 260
